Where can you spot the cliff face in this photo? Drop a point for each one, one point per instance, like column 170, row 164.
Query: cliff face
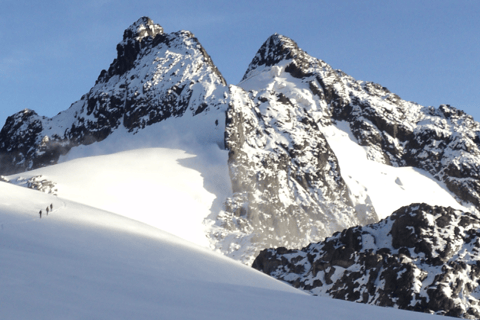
column 286, row 181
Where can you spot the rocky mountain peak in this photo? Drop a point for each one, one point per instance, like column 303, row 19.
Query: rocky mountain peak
column 143, row 27
column 155, row 76
column 137, row 36
column 277, row 48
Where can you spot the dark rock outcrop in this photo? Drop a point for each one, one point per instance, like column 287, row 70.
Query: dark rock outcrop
column 422, row 258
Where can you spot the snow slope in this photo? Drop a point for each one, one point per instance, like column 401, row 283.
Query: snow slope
column 171, row 175
column 80, row 262
column 388, row 188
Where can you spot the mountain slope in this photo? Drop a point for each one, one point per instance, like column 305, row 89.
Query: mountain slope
column 286, row 182
column 81, row 262
column 156, row 186
column 444, row 141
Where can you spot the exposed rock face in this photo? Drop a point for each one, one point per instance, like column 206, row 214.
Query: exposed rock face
column 286, row 181
column 421, row 258
column 154, row 77
column 287, row 187
column 442, row 141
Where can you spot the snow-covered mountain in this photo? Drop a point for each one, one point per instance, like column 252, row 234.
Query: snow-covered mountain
column 293, row 153
column 289, row 187
column 155, row 77
column 444, row 141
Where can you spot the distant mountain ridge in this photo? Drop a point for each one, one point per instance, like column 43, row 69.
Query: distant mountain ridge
column 288, row 187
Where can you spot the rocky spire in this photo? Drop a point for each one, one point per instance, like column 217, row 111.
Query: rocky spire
column 135, row 37
column 142, row 28
column 273, row 51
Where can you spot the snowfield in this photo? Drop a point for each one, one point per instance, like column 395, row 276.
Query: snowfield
column 157, row 176
column 388, row 188
column 81, row 262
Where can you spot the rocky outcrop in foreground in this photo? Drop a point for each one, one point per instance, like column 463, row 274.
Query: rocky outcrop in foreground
column 422, row 258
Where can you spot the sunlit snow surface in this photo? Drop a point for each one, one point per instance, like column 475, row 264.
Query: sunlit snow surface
column 165, row 177
column 80, row 262
column 388, row 188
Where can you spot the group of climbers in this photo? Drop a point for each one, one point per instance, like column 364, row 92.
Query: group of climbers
column 47, row 209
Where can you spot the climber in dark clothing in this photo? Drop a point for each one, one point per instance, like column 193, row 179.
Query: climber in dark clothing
column 51, row 206
column 40, row 213
column 47, row 211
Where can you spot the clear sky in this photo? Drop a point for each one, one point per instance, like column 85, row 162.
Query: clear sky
column 427, row 51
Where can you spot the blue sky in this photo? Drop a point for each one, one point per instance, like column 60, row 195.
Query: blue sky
column 425, row 51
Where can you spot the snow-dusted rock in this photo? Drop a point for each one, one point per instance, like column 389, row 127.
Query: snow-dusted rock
column 443, row 141
column 287, row 187
column 423, row 258
column 38, row 183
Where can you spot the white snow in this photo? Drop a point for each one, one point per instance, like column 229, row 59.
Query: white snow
column 388, row 188
column 80, row 262
column 148, row 185
column 171, row 175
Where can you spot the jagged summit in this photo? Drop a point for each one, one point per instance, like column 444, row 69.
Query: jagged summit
column 275, row 49
column 155, row 76
column 139, row 35
column 143, row 27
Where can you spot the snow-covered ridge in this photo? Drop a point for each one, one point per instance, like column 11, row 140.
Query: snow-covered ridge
column 444, row 142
